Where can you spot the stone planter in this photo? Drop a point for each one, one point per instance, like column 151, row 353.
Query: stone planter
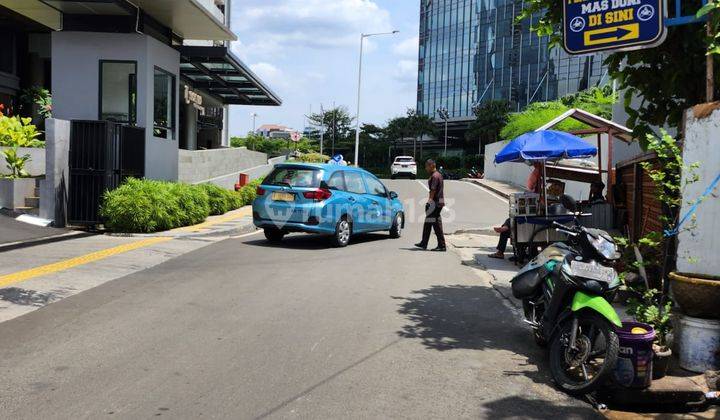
column 696, row 294
column 14, row 190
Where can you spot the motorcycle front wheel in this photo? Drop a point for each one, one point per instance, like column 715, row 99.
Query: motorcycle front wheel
column 582, row 368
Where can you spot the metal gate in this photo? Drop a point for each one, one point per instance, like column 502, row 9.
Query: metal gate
column 102, row 155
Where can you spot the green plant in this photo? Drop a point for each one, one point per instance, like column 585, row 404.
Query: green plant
column 192, row 203
column 313, row 158
column 16, row 163
column 18, row 132
column 221, row 200
column 650, row 308
column 40, row 97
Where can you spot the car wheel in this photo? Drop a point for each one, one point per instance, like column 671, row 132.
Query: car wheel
column 274, row 235
column 413, row 176
column 392, row 176
column 397, row 226
column 343, row 230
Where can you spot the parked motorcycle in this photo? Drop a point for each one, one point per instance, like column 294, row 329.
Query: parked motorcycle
column 448, row 174
column 566, row 293
column 474, row 172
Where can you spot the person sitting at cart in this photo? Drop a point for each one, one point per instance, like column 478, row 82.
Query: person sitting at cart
column 534, row 184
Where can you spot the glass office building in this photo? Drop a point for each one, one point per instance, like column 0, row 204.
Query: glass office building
column 473, row 51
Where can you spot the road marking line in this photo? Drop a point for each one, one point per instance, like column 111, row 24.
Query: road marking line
column 246, row 212
column 499, row 197
column 42, row 270
column 423, row 185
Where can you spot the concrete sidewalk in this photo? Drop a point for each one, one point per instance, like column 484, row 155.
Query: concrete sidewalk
column 34, row 276
column 500, row 188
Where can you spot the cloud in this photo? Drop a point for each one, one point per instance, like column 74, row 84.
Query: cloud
column 406, row 69
column 270, row 74
column 319, row 24
column 408, row 47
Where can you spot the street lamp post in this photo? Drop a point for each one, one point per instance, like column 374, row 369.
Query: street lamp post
column 254, row 115
column 443, row 113
column 357, row 114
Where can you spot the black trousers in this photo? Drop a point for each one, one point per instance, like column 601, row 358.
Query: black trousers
column 504, row 237
column 433, row 220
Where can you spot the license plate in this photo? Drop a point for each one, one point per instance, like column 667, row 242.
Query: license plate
column 283, row 196
column 593, row 271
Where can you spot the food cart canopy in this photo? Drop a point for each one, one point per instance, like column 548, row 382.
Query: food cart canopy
column 545, row 145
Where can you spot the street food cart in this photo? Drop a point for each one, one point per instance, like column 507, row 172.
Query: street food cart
column 531, row 214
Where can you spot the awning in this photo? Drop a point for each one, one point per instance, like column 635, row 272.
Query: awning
column 190, row 19
column 37, row 11
column 219, row 72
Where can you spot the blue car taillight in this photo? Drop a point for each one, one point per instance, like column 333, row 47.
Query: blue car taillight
column 319, row 194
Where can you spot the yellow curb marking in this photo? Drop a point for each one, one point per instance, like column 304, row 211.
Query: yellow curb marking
column 246, row 211
column 12, row 278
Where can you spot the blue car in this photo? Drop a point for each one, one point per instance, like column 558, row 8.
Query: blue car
column 326, row 199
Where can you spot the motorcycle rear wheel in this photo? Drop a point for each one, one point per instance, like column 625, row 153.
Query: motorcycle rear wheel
column 583, row 369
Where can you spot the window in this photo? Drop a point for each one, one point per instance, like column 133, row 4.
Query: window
column 336, row 182
column 375, row 187
column 118, row 91
column 294, row 177
column 354, row 182
column 163, row 104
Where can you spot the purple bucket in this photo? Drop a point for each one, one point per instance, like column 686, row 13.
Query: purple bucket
column 635, row 357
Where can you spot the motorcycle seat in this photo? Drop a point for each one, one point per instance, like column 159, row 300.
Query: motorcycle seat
column 526, row 284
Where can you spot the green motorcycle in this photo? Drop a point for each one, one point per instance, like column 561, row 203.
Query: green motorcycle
column 566, row 292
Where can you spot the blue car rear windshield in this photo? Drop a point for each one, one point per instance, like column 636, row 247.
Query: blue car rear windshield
column 294, row 177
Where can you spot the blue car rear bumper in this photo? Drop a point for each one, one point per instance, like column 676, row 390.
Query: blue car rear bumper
column 294, row 226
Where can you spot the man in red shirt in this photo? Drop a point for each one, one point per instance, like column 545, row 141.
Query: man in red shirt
column 433, row 208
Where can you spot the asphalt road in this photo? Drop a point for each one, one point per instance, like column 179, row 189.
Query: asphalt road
column 241, row 329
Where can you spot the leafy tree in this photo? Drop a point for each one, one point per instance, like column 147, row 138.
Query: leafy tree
column 422, row 125
column 337, row 124
column 490, row 118
column 665, row 80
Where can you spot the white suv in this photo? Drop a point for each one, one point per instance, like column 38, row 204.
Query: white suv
column 403, row 165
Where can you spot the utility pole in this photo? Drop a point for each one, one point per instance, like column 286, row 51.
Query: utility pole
column 322, row 128
column 254, row 115
column 334, row 114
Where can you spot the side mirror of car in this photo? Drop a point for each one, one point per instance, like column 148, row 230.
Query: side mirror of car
column 393, row 195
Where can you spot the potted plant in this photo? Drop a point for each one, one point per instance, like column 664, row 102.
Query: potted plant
column 649, row 307
column 16, row 133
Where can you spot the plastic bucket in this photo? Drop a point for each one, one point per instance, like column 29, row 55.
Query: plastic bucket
column 698, row 343
column 635, row 357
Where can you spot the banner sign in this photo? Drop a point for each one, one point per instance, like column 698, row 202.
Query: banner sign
column 598, row 25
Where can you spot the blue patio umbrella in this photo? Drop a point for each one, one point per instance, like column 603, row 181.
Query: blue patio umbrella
column 542, row 146
column 545, row 145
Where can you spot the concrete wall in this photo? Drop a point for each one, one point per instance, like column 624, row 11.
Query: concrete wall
column 698, row 247
column 517, row 173
column 76, row 78
column 53, row 189
column 35, row 166
column 217, row 165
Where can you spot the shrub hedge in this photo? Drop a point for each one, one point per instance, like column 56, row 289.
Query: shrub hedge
column 222, row 200
column 145, row 206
